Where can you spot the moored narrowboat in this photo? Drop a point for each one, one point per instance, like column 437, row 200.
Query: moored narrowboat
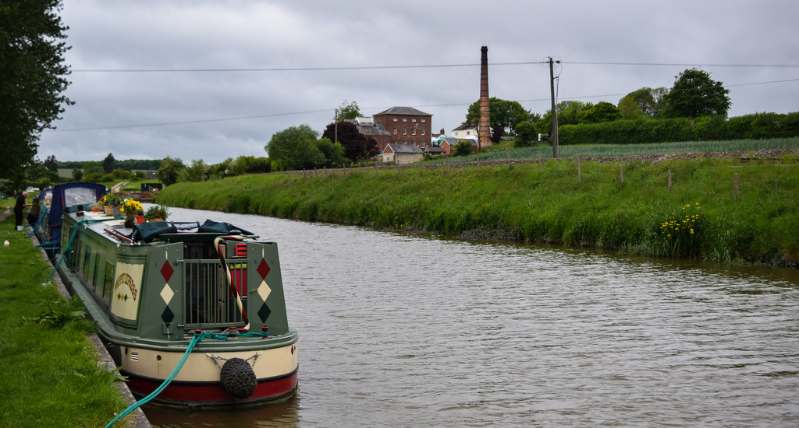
column 199, row 305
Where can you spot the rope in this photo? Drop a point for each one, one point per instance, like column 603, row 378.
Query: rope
column 197, row 338
column 42, row 215
column 233, row 289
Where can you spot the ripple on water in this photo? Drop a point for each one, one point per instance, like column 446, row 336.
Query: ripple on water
column 399, row 330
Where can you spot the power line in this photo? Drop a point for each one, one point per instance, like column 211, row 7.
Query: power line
column 365, row 108
column 399, row 67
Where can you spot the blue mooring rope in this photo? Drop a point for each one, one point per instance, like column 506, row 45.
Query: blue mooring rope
column 167, row 381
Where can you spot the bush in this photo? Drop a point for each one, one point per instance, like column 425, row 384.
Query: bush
column 707, row 128
column 462, row 148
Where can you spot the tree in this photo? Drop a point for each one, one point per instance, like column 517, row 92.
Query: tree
column 77, row 175
column 356, row 145
column 644, row 102
column 334, row 152
column 51, row 164
column 525, row 134
column 695, row 94
column 91, row 167
column 462, row 148
column 108, row 163
column 294, row 148
column 32, row 79
column 196, row 171
column 568, row 114
column 170, row 170
column 508, row 114
column 601, row 112
column 497, row 131
column 348, row 111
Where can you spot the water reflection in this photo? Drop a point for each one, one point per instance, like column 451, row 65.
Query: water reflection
column 403, row 330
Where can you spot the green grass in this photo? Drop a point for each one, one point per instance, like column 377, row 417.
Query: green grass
column 524, row 204
column 617, row 150
column 49, row 373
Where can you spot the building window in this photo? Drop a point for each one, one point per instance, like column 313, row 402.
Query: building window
column 413, row 120
column 395, row 132
column 395, row 119
column 422, row 131
column 413, row 131
column 468, row 132
column 404, row 119
column 404, row 131
column 422, row 144
column 422, row 120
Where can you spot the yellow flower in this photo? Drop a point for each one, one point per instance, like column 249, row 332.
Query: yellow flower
column 692, row 231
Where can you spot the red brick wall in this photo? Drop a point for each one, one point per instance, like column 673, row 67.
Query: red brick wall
column 412, row 123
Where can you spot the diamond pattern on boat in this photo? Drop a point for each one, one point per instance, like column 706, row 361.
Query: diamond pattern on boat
column 167, row 270
column 264, row 290
column 263, row 269
column 264, row 312
column 167, row 316
column 167, row 293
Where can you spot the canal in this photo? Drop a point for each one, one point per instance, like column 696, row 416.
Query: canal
column 407, row 331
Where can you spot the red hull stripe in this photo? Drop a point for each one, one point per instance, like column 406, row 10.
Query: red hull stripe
column 212, row 393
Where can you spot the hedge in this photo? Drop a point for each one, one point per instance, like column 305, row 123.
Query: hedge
column 709, row 128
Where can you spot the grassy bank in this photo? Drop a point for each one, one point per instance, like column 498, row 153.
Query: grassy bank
column 49, row 372
column 699, row 217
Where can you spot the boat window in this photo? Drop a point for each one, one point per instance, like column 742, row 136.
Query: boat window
column 108, row 282
column 79, row 195
column 87, row 257
column 96, row 268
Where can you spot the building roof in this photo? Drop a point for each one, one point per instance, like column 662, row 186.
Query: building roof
column 404, row 111
column 370, row 128
column 464, row 127
column 404, row 148
column 450, row 140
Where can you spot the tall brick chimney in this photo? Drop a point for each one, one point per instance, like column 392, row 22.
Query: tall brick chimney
column 485, row 121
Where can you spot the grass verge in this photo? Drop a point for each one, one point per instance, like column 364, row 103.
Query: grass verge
column 700, row 217
column 49, row 373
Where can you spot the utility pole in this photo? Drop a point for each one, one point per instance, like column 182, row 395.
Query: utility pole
column 554, row 137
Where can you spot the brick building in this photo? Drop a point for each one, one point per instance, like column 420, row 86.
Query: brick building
column 407, row 125
column 376, row 130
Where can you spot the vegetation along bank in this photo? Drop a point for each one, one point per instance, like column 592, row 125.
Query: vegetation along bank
column 733, row 207
column 50, row 375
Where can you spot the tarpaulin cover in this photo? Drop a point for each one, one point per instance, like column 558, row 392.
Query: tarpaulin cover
column 146, row 232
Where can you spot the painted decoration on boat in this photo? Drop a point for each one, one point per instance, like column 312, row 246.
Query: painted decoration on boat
column 124, row 301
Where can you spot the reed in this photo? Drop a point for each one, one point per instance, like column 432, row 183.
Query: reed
column 520, row 203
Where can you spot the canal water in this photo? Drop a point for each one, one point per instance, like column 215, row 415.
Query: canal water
column 410, row 331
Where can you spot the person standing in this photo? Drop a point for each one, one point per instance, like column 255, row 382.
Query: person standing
column 19, row 206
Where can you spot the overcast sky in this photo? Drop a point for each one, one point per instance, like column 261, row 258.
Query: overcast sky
column 139, row 114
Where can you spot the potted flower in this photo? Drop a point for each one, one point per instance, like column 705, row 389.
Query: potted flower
column 156, row 213
column 132, row 209
column 109, row 201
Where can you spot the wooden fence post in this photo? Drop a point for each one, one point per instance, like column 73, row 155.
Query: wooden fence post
column 621, row 175
column 377, row 172
column 669, row 181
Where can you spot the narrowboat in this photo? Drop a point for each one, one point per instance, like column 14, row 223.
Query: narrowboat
column 196, row 306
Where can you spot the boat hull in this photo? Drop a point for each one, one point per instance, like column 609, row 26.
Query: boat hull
column 211, row 394
column 198, row 383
